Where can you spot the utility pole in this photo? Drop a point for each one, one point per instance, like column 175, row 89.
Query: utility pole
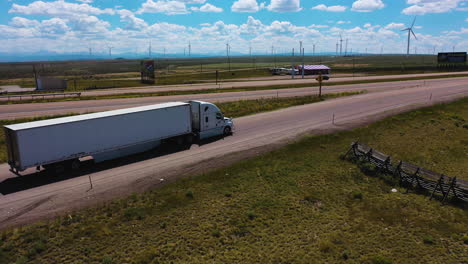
column 302, row 63
column 227, row 54
column 300, row 47
column 346, row 48
column 292, row 65
column 149, row 50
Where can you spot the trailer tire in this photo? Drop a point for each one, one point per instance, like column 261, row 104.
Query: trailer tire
column 189, row 139
column 59, row 167
column 75, row 164
column 227, row 131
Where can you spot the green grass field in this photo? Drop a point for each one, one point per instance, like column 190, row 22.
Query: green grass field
column 298, row 204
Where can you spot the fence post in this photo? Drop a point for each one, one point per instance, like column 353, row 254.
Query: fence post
column 439, row 183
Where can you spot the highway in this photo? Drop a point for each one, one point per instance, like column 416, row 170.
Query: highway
column 259, row 82
column 28, row 200
column 40, row 109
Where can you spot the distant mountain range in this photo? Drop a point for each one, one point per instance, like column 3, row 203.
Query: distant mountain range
column 51, row 56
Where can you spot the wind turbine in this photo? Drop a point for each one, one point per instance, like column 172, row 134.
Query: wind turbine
column 189, row 49
column 110, row 50
column 410, row 31
column 341, row 44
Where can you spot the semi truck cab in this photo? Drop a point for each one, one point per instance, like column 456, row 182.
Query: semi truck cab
column 208, row 120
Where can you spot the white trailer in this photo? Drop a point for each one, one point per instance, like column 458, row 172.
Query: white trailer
column 60, row 143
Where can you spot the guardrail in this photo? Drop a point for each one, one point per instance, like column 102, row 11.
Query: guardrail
column 35, row 96
column 412, row 176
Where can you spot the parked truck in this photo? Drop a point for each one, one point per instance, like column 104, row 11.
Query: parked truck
column 58, row 144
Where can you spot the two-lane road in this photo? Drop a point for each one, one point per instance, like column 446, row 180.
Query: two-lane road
column 40, row 109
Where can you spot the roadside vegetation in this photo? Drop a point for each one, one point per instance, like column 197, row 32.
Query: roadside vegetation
column 230, row 109
column 300, row 203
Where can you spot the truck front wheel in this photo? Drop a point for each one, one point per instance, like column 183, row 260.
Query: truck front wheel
column 227, row 131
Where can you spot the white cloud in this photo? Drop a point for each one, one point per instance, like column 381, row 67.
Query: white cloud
column 166, row 7
column 421, row 7
column 285, row 6
column 54, row 26
column 89, row 24
column 209, row 8
column 193, row 1
column 85, row 1
column 367, row 5
column 252, row 27
column 343, row 22
column 132, row 22
column 466, row 20
column 460, row 32
column 335, row 8
column 58, row 8
column 318, row 26
column 246, row 6
column 395, row 26
column 22, row 22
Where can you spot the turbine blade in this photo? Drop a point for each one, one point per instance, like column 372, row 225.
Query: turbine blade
column 414, row 20
column 413, row 34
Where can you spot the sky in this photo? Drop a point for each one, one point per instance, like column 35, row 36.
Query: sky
column 129, row 26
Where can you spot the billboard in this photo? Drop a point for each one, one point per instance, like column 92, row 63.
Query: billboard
column 451, row 57
column 147, row 72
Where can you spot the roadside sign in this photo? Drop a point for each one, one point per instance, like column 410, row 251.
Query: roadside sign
column 451, row 57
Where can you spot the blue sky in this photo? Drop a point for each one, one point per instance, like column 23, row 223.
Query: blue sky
column 67, row 26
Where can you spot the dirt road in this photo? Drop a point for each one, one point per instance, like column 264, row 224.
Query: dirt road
column 34, row 197
column 40, row 109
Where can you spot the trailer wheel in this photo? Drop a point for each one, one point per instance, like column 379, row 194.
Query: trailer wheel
column 59, row 167
column 75, row 164
column 227, row 131
column 189, row 139
column 180, row 141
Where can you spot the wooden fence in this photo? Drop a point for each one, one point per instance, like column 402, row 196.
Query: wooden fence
column 412, row 176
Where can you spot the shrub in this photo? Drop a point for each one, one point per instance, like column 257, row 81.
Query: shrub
column 325, row 246
column 251, row 215
column 134, row 213
column 381, row 260
column 428, row 240
column 107, row 260
column 189, row 194
column 216, row 233
column 368, row 169
column 357, row 196
column 39, row 246
column 345, row 255
column 465, row 240
column 22, row 260
column 162, row 225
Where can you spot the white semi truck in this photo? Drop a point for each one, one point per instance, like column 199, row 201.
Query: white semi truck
column 58, row 144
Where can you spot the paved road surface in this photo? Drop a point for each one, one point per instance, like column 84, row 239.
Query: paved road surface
column 40, row 109
column 253, row 134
